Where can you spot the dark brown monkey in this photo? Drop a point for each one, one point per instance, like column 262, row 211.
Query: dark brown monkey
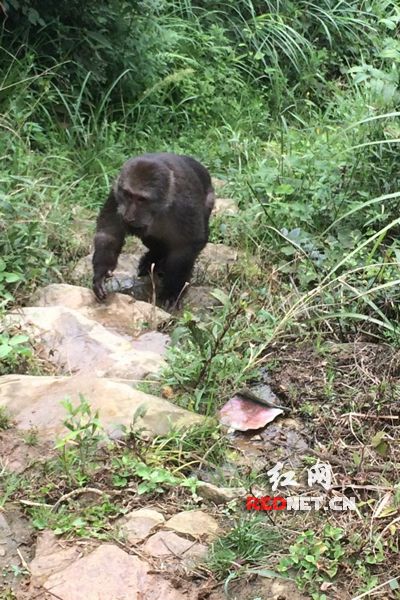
column 165, row 200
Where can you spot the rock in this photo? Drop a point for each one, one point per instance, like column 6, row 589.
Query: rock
column 215, row 262
column 217, row 183
column 15, row 546
column 119, row 312
column 195, row 523
column 168, row 544
column 5, row 534
column 137, row 525
column 77, row 344
column 50, row 557
column 225, row 206
column 243, row 414
column 199, row 298
column 109, row 573
column 152, row 341
column 127, row 266
column 259, row 587
column 18, row 454
column 219, row 495
column 36, row 402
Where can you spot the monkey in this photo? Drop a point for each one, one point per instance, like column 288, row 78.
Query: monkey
column 165, row 200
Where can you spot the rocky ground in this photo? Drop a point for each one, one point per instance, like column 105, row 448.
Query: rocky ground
column 102, row 352
column 155, row 548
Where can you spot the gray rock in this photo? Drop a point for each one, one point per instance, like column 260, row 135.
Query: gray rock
column 138, row 524
column 217, row 183
column 119, row 312
column 50, row 557
column 127, row 266
column 219, row 495
column 195, row 523
column 15, row 546
column 36, row 402
column 167, row 544
column 214, row 262
column 225, row 206
column 109, row 573
column 199, row 299
column 76, row 344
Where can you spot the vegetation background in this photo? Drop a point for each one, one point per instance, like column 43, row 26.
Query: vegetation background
column 293, row 102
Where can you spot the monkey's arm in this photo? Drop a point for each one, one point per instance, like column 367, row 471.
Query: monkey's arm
column 108, row 242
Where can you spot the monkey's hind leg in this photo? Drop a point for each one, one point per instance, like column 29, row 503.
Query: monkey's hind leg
column 149, row 258
column 178, row 272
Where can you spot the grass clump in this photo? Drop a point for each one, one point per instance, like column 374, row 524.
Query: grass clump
column 248, row 544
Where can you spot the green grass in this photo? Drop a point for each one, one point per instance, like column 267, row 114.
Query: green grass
column 5, row 419
column 249, row 543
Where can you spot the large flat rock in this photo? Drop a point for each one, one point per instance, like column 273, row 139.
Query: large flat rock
column 194, row 523
column 76, row 344
column 106, row 573
column 119, row 312
column 137, row 525
column 36, row 402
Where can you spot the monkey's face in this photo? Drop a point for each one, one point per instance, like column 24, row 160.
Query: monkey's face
column 136, row 209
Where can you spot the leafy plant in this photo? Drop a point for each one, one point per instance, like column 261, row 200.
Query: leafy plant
column 14, row 351
column 77, row 521
column 314, row 559
column 214, row 357
column 153, row 479
column 5, row 419
column 77, row 449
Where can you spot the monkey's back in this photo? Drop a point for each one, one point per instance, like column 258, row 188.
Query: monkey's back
column 188, row 172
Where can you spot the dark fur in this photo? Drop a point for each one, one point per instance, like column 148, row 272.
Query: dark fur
column 166, row 201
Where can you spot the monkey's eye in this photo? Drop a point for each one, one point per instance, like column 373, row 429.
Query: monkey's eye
column 139, row 199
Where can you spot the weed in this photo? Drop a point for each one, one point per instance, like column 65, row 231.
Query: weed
column 7, row 594
column 5, row 419
column 14, row 351
column 152, row 479
column 181, row 447
column 77, row 449
column 249, row 542
column 31, row 437
column 11, row 483
column 315, row 560
column 214, row 358
column 89, row 521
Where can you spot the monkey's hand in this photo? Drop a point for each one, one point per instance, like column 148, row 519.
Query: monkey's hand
column 99, row 288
